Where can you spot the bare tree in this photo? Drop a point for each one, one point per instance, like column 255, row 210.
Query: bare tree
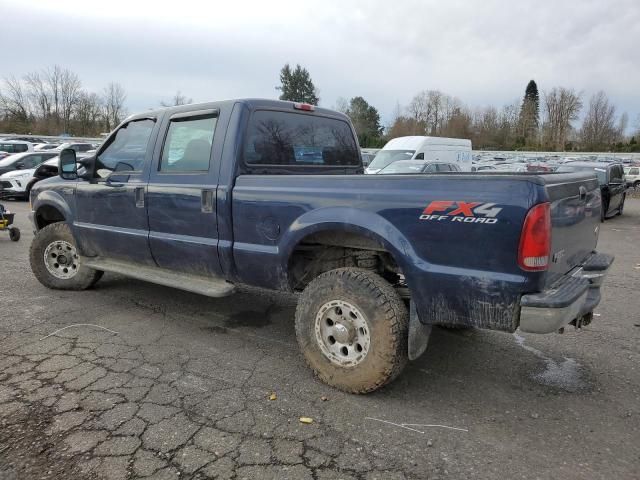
column 38, row 94
column 562, row 106
column 69, row 95
column 599, row 126
column 14, row 101
column 178, row 99
column 53, row 80
column 623, row 123
column 88, row 112
column 113, row 104
column 342, row 105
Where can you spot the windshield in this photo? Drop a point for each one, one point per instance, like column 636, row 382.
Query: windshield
column 403, row 167
column 386, row 157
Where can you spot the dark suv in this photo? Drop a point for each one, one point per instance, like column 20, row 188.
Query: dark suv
column 613, row 185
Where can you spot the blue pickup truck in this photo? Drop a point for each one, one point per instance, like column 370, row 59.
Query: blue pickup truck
column 271, row 194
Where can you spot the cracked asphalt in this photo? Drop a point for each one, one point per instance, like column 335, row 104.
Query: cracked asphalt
column 163, row 384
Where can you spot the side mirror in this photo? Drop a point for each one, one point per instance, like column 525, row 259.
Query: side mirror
column 19, row 166
column 67, row 164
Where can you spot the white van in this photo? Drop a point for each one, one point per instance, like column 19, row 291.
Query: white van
column 448, row 150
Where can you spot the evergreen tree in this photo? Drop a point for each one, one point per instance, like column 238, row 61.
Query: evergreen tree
column 366, row 120
column 296, row 85
column 530, row 114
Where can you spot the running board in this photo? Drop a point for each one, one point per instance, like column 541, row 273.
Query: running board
column 209, row 286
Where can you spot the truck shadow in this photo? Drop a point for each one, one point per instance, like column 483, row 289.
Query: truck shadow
column 455, row 360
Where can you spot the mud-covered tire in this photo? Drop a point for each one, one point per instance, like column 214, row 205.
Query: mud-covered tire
column 83, row 278
column 386, row 318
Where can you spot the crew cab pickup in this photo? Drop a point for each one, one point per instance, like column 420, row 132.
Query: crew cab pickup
column 271, row 194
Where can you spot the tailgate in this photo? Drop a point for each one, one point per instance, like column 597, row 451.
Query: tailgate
column 575, row 220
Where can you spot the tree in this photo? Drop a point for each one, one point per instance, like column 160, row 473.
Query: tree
column 69, row 95
column 113, row 105
column 530, row 114
column 296, row 85
column 13, row 100
column 38, row 94
column 87, row 113
column 366, row 120
column 562, row 106
column 599, row 127
column 178, row 99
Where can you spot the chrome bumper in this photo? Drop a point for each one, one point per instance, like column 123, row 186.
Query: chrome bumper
column 574, row 297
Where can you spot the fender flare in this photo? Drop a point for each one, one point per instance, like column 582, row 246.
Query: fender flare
column 52, row 199
column 348, row 219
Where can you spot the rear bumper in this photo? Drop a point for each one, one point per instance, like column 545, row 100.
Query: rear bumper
column 571, row 298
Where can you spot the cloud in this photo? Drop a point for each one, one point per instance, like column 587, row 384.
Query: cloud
column 482, row 52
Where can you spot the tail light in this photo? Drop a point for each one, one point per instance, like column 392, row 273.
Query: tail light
column 535, row 239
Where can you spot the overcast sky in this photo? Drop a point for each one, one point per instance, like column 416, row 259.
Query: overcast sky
column 483, row 52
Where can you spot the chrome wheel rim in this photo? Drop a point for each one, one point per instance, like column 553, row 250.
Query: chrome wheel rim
column 61, row 259
column 342, row 333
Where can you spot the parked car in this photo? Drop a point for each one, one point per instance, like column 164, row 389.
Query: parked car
column 79, row 147
column 613, row 185
column 33, row 140
column 479, row 167
column 23, row 161
column 16, row 183
column 450, row 150
column 46, row 146
column 632, row 175
column 205, row 197
column 418, row 166
column 15, row 146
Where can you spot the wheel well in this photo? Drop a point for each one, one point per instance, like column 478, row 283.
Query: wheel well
column 327, row 250
column 47, row 215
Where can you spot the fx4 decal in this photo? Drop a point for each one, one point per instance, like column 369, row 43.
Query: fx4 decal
column 463, row 212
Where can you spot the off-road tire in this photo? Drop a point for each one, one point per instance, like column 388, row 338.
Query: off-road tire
column 84, row 278
column 386, row 317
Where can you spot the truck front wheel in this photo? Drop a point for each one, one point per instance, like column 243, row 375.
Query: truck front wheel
column 352, row 328
column 55, row 261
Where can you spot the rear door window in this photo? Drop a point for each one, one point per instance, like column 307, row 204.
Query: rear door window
column 294, row 139
column 187, row 147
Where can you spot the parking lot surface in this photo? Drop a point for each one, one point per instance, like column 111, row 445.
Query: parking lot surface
column 132, row 380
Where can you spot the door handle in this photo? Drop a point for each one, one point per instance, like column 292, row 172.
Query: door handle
column 206, row 201
column 139, row 194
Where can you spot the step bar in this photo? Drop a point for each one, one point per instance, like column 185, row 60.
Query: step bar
column 209, row 286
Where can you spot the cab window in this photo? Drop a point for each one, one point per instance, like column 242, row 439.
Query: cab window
column 299, row 140
column 187, row 146
column 126, row 150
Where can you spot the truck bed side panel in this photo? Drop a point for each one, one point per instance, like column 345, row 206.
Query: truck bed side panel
column 460, row 262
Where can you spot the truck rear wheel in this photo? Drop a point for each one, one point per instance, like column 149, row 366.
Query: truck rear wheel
column 352, row 328
column 55, row 261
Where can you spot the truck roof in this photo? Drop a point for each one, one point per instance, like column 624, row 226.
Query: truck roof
column 251, row 103
column 418, row 142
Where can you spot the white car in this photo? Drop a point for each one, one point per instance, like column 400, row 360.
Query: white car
column 633, row 176
column 17, row 183
column 15, row 146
